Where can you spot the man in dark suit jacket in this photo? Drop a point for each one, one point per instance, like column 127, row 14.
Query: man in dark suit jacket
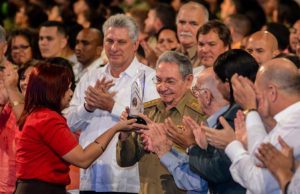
column 213, row 165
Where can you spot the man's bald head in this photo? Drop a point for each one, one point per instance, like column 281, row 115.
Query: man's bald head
column 277, row 86
column 209, row 96
column 281, row 72
column 263, row 46
column 95, row 33
column 207, row 79
column 194, row 6
column 88, row 48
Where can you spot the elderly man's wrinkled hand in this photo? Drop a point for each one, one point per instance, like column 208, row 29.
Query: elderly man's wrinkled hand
column 243, row 92
column 220, row 138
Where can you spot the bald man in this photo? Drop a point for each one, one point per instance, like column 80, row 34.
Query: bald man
column 190, row 18
column 208, row 94
column 263, row 46
column 277, row 94
column 89, row 45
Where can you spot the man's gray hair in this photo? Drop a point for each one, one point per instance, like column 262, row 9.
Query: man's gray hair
column 2, row 34
column 122, row 21
column 195, row 5
column 185, row 65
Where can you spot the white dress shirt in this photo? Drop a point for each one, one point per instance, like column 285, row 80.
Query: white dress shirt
column 104, row 175
column 294, row 187
column 243, row 169
column 79, row 71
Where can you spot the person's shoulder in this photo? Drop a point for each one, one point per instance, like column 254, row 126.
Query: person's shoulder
column 152, row 103
column 45, row 113
column 44, row 117
column 92, row 75
column 192, row 103
column 145, row 67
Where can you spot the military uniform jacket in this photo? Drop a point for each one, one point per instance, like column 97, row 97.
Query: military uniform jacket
column 192, row 54
column 154, row 177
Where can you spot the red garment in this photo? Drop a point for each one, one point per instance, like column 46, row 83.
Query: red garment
column 8, row 128
column 44, row 139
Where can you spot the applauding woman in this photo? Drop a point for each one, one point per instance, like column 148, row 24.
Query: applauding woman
column 45, row 145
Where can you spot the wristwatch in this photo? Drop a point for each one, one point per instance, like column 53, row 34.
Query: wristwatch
column 246, row 111
column 188, row 150
column 15, row 103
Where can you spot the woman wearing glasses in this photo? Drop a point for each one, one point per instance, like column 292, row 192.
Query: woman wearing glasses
column 23, row 46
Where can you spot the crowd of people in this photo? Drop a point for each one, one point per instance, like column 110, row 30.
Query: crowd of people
column 216, row 83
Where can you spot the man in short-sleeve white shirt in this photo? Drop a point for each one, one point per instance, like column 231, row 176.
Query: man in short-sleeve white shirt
column 94, row 108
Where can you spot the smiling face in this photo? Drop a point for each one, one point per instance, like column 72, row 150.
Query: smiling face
column 119, row 48
column 170, row 85
column 210, row 46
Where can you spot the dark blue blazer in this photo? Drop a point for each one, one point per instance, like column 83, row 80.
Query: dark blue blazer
column 213, row 164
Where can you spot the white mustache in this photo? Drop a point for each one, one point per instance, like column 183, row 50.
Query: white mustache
column 185, row 34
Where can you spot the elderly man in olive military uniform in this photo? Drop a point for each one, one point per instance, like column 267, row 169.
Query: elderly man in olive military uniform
column 174, row 76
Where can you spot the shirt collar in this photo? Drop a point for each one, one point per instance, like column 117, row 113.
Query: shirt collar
column 131, row 70
column 96, row 63
column 181, row 104
column 287, row 112
column 212, row 120
column 190, row 52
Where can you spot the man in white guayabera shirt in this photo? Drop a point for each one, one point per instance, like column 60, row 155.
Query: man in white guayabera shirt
column 277, row 92
column 96, row 107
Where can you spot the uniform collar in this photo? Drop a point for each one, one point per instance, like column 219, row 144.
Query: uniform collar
column 181, row 104
column 190, row 52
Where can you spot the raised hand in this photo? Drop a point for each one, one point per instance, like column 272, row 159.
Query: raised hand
column 124, row 114
column 240, row 128
column 150, row 55
column 199, row 134
column 99, row 97
column 156, row 140
column 10, row 77
column 104, row 84
column 220, row 138
column 243, row 92
column 182, row 136
column 280, row 163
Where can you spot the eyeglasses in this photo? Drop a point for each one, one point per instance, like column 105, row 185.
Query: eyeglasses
column 196, row 91
column 169, row 82
column 20, row 47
